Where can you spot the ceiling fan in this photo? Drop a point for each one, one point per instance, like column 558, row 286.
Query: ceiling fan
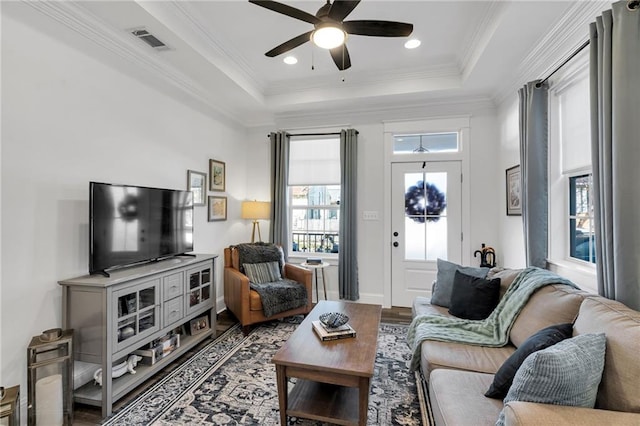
column 331, row 29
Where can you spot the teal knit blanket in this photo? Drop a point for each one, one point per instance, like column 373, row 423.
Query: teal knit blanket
column 492, row 331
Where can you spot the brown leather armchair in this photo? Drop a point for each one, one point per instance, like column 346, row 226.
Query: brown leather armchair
column 246, row 303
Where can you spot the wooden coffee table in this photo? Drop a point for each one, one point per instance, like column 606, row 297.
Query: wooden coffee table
column 333, row 378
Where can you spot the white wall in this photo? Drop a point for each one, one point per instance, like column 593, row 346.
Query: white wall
column 66, row 120
column 485, row 173
column 511, row 233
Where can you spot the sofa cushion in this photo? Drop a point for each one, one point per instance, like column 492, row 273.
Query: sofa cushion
column 472, row 297
column 460, row 356
column 619, row 389
column 442, row 288
column 567, row 373
column 422, row 306
column 506, row 277
column 457, row 398
column 540, row 340
column 552, row 304
column 264, row 272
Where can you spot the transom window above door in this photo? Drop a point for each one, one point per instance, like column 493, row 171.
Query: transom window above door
column 426, row 143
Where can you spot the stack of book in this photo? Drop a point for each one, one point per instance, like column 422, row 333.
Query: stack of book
column 326, row 333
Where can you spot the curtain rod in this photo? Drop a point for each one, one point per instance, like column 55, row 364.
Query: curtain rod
column 313, row 134
column 578, row 50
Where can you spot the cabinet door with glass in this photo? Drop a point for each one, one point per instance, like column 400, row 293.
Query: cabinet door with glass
column 137, row 310
column 199, row 288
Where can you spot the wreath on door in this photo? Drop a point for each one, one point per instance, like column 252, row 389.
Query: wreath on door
column 424, row 201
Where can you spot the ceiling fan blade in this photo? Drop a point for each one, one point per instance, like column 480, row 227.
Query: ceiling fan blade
column 341, row 9
column 288, row 10
column 378, row 28
column 290, row 44
column 340, row 56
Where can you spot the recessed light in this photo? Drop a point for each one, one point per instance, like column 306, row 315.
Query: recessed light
column 290, row 60
column 412, row 44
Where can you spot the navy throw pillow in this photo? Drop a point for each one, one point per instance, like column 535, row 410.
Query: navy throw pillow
column 540, row 340
column 472, row 297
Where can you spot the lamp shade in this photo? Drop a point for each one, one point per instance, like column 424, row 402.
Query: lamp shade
column 256, row 210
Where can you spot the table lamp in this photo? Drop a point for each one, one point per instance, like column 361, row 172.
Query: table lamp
column 256, row 210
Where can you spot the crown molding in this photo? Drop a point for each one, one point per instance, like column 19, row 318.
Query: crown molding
column 400, row 111
column 183, row 19
column 481, row 37
column 564, row 38
column 129, row 49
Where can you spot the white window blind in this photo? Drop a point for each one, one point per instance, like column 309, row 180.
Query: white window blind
column 575, row 126
column 314, row 161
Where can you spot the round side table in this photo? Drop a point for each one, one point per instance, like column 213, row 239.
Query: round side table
column 315, row 267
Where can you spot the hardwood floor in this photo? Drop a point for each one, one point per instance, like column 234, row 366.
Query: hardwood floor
column 86, row 415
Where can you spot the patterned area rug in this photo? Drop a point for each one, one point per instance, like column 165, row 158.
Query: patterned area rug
column 232, row 381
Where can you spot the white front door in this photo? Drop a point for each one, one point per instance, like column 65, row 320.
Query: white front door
column 426, row 224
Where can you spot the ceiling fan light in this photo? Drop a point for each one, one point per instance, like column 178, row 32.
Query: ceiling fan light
column 328, row 37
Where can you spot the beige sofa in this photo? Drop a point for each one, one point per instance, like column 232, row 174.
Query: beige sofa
column 458, row 375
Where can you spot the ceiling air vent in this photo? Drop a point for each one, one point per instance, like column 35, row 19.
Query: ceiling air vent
column 149, row 38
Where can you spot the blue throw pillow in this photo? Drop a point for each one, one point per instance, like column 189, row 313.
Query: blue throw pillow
column 567, row 373
column 472, row 297
column 441, row 292
column 542, row 339
column 260, row 273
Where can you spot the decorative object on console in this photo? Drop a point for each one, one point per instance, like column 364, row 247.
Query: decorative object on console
column 197, row 184
column 10, row 406
column 217, row 179
column 121, row 369
column 50, row 378
column 198, row 325
column 514, row 204
column 487, row 256
column 256, row 210
column 217, row 208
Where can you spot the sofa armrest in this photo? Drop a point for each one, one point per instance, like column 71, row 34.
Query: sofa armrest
column 301, row 275
column 531, row 413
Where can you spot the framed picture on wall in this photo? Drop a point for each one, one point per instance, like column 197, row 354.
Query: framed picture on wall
column 514, row 191
column 217, row 208
column 217, row 178
column 197, row 184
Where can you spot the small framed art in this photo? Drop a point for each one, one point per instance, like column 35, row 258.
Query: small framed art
column 217, row 208
column 217, row 180
column 514, row 195
column 199, row 325
column 197, row 184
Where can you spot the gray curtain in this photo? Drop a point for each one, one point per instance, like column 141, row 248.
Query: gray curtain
column 615, row 151
column 533, row 171
column 348, row 252
column 278, row 232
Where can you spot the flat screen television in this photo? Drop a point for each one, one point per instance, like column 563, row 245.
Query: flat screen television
column 133, row 224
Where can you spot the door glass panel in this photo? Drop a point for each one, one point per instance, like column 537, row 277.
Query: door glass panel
column 425, row 216
column 147, row 297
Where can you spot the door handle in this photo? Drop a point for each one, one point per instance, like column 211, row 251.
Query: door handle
column 395, row 234
column 395, row 244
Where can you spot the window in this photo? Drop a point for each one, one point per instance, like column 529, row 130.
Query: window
column 314, row 194
column 581, row 232
column 430, row 142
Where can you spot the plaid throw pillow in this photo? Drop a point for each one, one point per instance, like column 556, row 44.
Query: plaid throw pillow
column 259, row 273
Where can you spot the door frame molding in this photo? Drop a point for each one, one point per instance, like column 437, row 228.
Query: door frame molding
column 460, row 124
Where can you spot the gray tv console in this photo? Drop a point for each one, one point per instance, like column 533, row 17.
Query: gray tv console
column 114, row 316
